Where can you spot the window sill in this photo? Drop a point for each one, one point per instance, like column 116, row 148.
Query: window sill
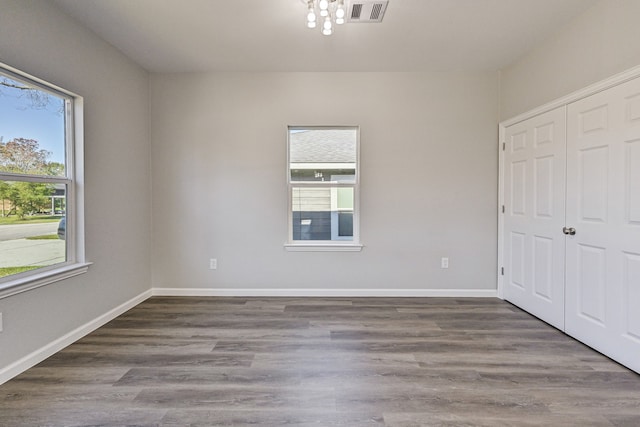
column 322, row 247
column 36, row 280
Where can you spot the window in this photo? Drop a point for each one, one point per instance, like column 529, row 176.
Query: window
column 322, row 174
column 40, row 240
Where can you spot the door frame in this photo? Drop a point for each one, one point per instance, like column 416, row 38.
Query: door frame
column 592, row 89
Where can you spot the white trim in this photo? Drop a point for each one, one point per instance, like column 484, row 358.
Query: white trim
column 295, row 165
column 293, row 245
column 42, row 84
column 50, row 179
column 605, row 84
column 500, row 277
column 600, row 86
column 55, row 346
column 298, row 292
column 76, row 215
column 26, row 282
column 322, row 184
column 322, row 247
column 74, row 181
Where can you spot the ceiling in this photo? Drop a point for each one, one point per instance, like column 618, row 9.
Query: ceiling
column 270, row 35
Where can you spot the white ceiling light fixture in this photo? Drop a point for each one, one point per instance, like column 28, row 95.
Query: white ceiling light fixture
column 326, row 12
column 329, row 13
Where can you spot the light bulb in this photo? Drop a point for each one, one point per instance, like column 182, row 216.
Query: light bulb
column 324, row 7
column 311, row 24
column 326, row 32
column 311, row 17
column 339, row 21
column 327, row 24
column 340, row 12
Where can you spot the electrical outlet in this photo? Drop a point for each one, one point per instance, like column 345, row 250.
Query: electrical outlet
column 444, row 263
column 213, row 264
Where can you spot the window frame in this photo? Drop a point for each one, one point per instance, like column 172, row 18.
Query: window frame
column 338, row 245
column 73, row 180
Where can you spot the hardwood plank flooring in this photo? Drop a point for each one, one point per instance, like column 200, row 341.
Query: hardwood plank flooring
column 324, row 362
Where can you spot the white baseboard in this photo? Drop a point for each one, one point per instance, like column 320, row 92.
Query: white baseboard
column 53, row 347
column 228, row 292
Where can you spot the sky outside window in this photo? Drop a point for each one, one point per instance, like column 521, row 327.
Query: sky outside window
column 23, row 117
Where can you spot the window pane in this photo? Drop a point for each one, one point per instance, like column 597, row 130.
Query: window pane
column 345, row 198
column 322, row 155
column 32, row 129
column 318, row 215
column 32, row 226
column 345, row 224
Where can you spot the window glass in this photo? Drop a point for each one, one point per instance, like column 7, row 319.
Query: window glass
column 322, row 155
column 32, row 129
column 34, row 178
column 323, row 176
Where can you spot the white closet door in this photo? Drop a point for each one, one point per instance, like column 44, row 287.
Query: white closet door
column 534, row 194
column 603, row 205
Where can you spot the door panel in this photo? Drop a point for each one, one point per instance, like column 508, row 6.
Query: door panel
column 518, row 188
column 631, row 292
column 543, row 267
column 535, row 161
column 592, row 292
column 593, row 174
column 517, row 269
column 603, row 205
column 632, row 199
column 543, row 186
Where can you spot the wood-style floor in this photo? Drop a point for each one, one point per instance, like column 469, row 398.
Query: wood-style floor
column 324, row 362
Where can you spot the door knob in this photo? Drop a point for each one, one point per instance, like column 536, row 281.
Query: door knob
column 569, row 231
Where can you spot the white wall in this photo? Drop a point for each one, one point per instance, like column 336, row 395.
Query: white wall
column 603, row 41
column 428, row 189
column 38, row 39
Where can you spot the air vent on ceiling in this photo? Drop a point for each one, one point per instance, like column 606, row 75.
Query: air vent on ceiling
column 366, row 10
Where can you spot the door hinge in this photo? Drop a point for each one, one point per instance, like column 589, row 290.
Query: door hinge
column 502, row 208
column 504, row 146
column 502, row 271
